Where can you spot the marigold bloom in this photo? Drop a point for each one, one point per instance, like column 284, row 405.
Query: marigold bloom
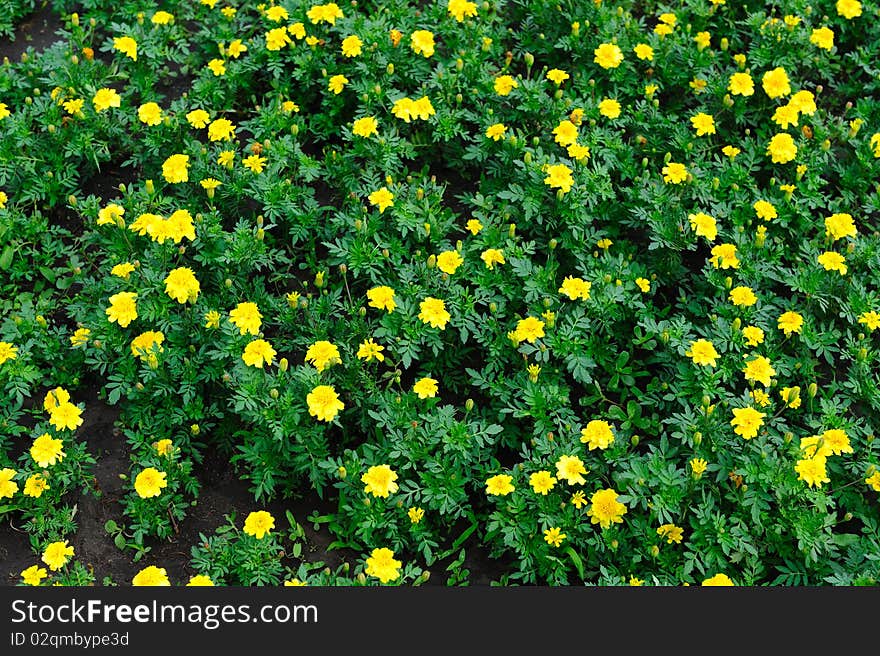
column 473, row 226
column 496, row 131
column 790, row 322
column 504, row 84
column 175, row 168
column 217, row 67
column 327, row 13
column 127, row 46
column 837, row 441
column 449, row 261
column 181, row 285
column 246, row 317
column 702, row 352
column 838, row 226
column 609, row 108
column 382, row 298
column 151, row 576
column 123, row 308
column 150, row 113
column 425, row 388
column 422, row 43
column 785, row 115
column 324, row 403
column 200, row 580
column 571, row 470
column 379, row 480
column 759, row 370
column 259, row 523
column 608, row 55
column 8, row 487
column 337, row 83
column 871, row 319
column 605, row 509
column 79, row 337
column 150, row 483
column 764, row 210
column 323, row 354
column 499, row 485
column 351, row 46
column 433, row 312
column 105, row 98
column 491, row 257
column 34, row 575
column 415, row 514
column 746, row 421
column 597, row 434
column 575, row 288
column 381, row 198
column 257, row 353
column 554, row 536
column 643, row 284
column 718, row 580
column 370, row 350
column 849, row 9
column 529, row 329
column 724, row 257
column 731, row 151
column 559, row 177
column 8, row 351
column 674, row 173
column 671, row 532
column 542, row 482
column 74, row 106
column 874, row 481
column 743, row 296
column 254, row 162
column 221, row 129
column 66, row 416
column 122, row 270
column 698, row 466
column 782, row 148
column 644, row 52
column 775, row 83
column 147, row 346
column 812, row 471
column 703, row 225
column 741, row 84
column 461, row 9
column 703, row 123
column 56, row 555
column 383, row 565
column 822, row 37
column 565, row 133
column 832, row 261
column 365, row 127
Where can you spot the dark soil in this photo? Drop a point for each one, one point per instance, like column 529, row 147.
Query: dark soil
column 36, row 31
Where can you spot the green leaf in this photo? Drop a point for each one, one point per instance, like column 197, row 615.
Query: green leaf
column 110, row 526
column 6, row 258
column 576, row 560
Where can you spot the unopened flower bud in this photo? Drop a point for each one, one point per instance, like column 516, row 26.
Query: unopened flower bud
column 283, row 364
column 469, row 405
column 812, row 389
column 319, row 279
column 151, row 188
column 432, row 261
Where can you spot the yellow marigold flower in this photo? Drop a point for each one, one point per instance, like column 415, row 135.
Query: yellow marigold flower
column 150, row 113
column 379, row 481
column 578, row 499
column 557, row 76
column 415, row 514
column 644, row 52
column 123, row 308
column 105, row 98
column 663, row 29
column 554, row 536
column 578, row 152
column 703, row 40
column 832, row 261
column 73, row 106
column 760, row 397
column 259, row 523
column 790, row 322
column 324, row 403
column 175, row 168
column 499, row 485
column 782, row 148
column 542, row 482
column 461, row 9
column 449, row 261
column 246, row 317
column 759, row 370
column 746, row 421
column 337, row 83
column 565, row 133
column 605, row 509
column 743, row 296
column 559, row 177
column 674, row 173
column 812, row 471
column 79, row 337
column 791, row 21
column 164, row 447
column 529, row 329
column 608, row 55
column 571, row 470
column 791, row 396
column 604, row 244
column 491, row 257
column 671, row 532
column 741, row 84
column 147, row 346
column 327, row 13
column 433, row 311
column 217, row 67
column 473, row 226
column 221, row 129
column 731, row 151
column 575, row 288
column 874, row 481
column 323, row 354
column 46, row 450
column 804, row 102
column 276, row 13
column 838, row 226
column 871, row 319
column 382, row 298
column 496, row 131
column 822, row 37
column 7, row 352
column 403, row 109
column 837, row 441
column 235, row 48
column 724, row 256
column 366, row 126
column 122, row 270
column 290, row 107
column 698, row 466
column 849, row 9
column 257, row 353
column 765, row 210
column 703, row 123
column 702, row 352
column 426, row 388
column 775, row 83
column 56, row 554
column 255, row 163
column 609, row 108
column 718, row 580
column 351, row 46
column 4, row 111
column 383, row 565
column 875, row 144
column 786, row 115
column 127, row 46
column 597, row 434
column 200, row 580
column 698, row 85
column 643, row 284
column 504, row 84
column 369, row 350
column 422, row 43
column 703, row 225
column 7, row 486
column 381, row 198
column 34, row 575
column 181, row 285
column 54, row 398
column 151, row 576
column 150, row 483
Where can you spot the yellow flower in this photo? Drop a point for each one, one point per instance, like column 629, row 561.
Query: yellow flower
column 871, row 319
column 644, row 52
column 575, row 288
column 837, row 441
column 337, row 83
column 759, row 370
column 150, row 577
column 200, row 580
column 782, row 148
column 422, row 42
column 608, row 55
column 643, row 284
column 323, row 354
column 496, row 131
column 554, row 536
column 35, row 485
column 164, row 447
column 7, row 352
column 504, row 84
column 804, row 102
column 724, row 257
column 181, row 285
column 174, row 169
column 703, row 225
column 324, row 403
column 276, row 14
column 775, row 83
column 383, row 565
column 760, row 397
column 54, row 398
column 605, row 509
column 461, row 9
column 150, row 113
column 671, row 532
column 790, row 322
column 415, row 514
column 379, row 480
column 812, row 471
column 557, row 76
column 56, row 555
column 105, row 98
column 425, row 388
column 7, row 486
column 259, row 523
column 764, row 210
column 246, row 317
column 382, row 298
column 746, row 421
column 327, row 13
column 731, row 151
column 832, row 261
column 79, row 337
column 702, row 352
column 473, row 226
column 217, row 67
column 571, row 470
column 674, row 173
column 150, row 483
column 698, row 466
column 491, row 257
column 449, row 261
column 123, row 308
column 785, row 115
column 542, row 482
column 743, row 296
column 366, row 126
column 74, row 106
column 370, row 350
column 433, row 311
column 381, row 198
column 226, row 158
column 597, row 434
column 578, row 152
column 838, row 226
column 559, row 177
column 874, row 481
column 147, row 346
column 822, row 37
column 741, row 84
column 122, row 270
column 221, row 129
column 849, row 9
column 703, row 123
column 33, row 575
column 718, row 580
column 499, row 485
column 257, row 353
column 609, row 108
column 565, row 133
column 703, row 40
column 351, row 46
column 254, row 162
column 529, row 329
column 127, row 46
